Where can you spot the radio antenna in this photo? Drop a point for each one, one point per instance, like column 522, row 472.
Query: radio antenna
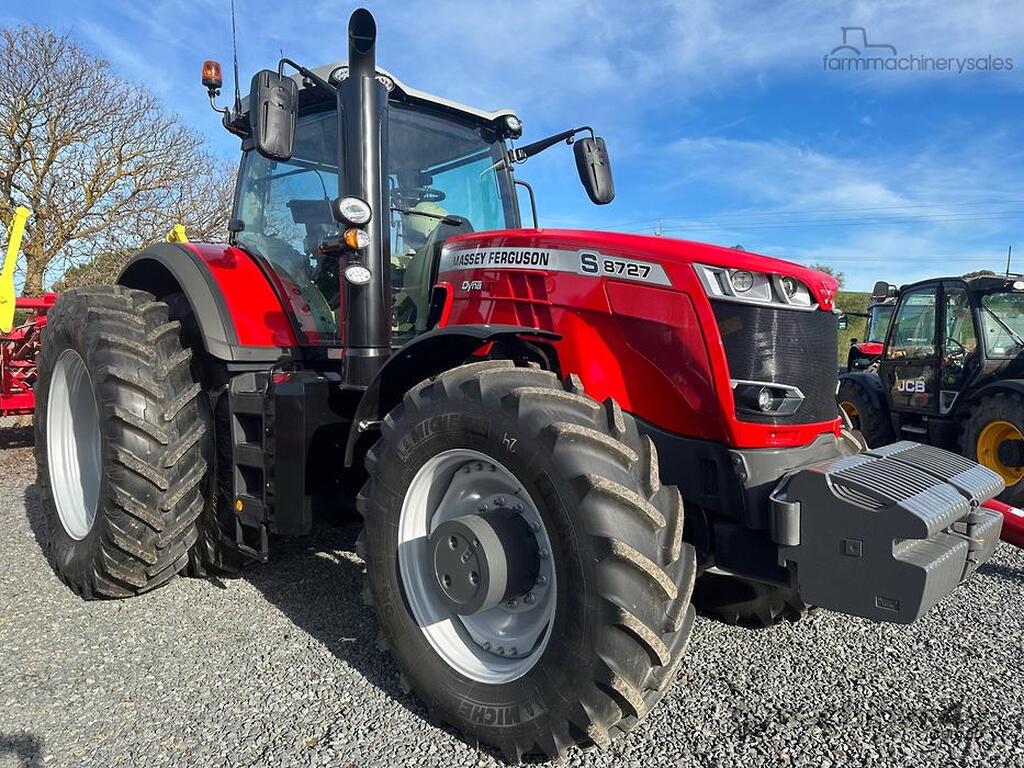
column 234, row 58
column 1009, row 253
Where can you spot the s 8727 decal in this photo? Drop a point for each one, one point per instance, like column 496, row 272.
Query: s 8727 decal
column 586, row 263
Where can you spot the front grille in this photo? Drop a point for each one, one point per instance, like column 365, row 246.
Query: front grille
column 783, row 346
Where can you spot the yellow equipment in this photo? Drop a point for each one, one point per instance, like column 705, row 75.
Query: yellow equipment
column 17, row 231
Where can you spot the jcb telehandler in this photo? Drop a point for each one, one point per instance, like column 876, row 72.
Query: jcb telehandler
column 535, row 409
column 950, row 373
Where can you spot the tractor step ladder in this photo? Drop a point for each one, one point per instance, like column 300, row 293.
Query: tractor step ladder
column 251, row 480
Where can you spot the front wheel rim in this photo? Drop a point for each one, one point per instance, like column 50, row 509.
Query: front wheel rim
column 499, row 644
column 73, row 444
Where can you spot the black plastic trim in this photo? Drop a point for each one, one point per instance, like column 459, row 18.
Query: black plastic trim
column 427, row 355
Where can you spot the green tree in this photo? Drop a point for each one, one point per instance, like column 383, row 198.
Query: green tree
column 839, row 276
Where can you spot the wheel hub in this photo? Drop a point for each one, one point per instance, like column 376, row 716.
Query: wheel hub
column 481, row 561
column 1011, row 453
column 494, row 626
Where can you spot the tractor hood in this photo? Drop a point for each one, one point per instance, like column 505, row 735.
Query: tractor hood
column 556, row 248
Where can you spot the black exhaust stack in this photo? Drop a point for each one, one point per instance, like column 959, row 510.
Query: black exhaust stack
column 363, row 118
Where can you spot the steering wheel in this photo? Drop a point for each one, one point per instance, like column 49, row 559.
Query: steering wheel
column 409, row 197
column 961, row 350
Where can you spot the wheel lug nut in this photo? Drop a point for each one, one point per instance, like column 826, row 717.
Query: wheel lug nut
column 518, row 507
column 542, row 580
column 534, row 526
column 500, row 501
column 511, row 651
column 543, row 554
column 500, row 651
column 487, row 646
column 482, row 508
column 530, row 598
column 511, row 603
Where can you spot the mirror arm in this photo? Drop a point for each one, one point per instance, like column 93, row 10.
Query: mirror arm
column 308, row 74
column 521, row 154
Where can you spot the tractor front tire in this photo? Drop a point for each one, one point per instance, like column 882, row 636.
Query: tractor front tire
column 745, row 602
column 586, row 482
column 867, row 418
column 990, row 420
column 118, row 437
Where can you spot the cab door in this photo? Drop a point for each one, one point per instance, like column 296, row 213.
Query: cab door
column 910, row 366
column 960, row 358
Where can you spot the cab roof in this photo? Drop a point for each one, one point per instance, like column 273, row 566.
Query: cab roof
column 416, row 96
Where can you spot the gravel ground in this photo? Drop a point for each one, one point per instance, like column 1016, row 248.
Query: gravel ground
column 280, row 668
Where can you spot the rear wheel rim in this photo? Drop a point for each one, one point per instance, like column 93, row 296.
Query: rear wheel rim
column 73, row 444
column 989, row 440
column 499, row 644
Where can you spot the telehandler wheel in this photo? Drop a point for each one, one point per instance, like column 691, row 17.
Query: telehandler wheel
column 526, row 564
column 993, row 435
column 872, row 422
column 117, row 442
column 748, row 603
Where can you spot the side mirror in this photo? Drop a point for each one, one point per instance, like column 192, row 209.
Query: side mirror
column 595, row 169
column 273, row 107
column 843, row 322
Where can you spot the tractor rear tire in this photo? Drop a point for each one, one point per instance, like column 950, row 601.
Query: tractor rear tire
column 867, row 418
column 118, row 436
column 1001, row 407
column 745, row 602
column 622, row 575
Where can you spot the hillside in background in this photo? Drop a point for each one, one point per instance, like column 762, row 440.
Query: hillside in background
column 852, row 301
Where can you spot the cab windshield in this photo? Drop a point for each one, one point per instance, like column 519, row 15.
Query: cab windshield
column 1002, row 317
column 442, row 181
column 878, row 322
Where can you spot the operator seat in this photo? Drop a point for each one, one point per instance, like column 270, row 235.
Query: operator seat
column 421, row 274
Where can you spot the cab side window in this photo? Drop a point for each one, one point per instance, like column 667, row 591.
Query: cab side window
column 913, row 331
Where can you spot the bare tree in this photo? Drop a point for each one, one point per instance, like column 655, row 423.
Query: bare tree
column 839, row 276
column 101, row 164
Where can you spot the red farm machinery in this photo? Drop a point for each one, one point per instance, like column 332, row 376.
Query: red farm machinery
column 21, row 323
column 19, row 349
column 560, row 431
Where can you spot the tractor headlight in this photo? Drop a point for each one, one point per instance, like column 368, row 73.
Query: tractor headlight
column 795, row 292
column 357, row 274
column 353, row 210
column 754, row 287
column 513, row 126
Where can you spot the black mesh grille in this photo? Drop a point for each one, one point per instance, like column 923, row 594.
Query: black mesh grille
column 783, row 346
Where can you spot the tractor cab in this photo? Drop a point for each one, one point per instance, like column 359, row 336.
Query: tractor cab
column 950, row 373
column 445, row 175
column 946, row 336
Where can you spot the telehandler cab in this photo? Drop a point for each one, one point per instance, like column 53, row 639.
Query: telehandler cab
column 535, row 409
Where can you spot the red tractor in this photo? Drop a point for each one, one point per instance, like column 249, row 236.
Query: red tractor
column 863, row 353
column 561, row 430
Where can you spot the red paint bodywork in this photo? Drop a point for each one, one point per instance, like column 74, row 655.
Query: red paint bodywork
column 868, row 348
column 1013, row 521
column 657, row 350
column 18, row 352
column 259, row 318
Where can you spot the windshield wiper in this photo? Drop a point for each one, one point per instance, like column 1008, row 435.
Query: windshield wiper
column 1013, row 334
column 449, row 220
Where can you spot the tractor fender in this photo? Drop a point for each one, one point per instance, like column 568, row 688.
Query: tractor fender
column 427, row 355
column 1010, row 385
column 870, row 383
column 167, row 268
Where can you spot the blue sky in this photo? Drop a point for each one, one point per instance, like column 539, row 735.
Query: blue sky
column 722, row 121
